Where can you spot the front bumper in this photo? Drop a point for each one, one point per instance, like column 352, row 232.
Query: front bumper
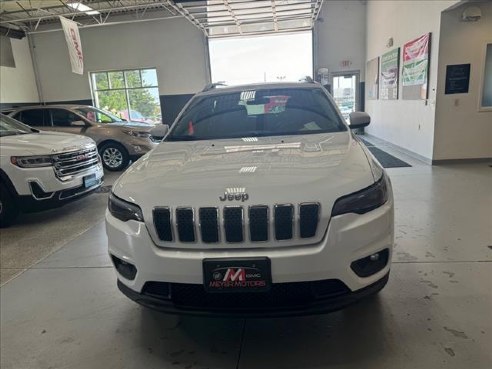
column 349, row 237
column 57, row 198
column 266, row 306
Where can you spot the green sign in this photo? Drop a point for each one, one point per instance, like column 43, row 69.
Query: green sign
column 389, row 75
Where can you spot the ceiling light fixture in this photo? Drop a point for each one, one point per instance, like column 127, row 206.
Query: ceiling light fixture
column 83, row 8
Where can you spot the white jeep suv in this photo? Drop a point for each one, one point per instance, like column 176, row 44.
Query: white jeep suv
column 259, row 202
column 41, row 170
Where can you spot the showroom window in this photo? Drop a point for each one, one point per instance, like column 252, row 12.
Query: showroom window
column 130, row 94
column 272, row 58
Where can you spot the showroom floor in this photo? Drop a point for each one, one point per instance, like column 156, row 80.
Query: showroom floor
column 60, row 307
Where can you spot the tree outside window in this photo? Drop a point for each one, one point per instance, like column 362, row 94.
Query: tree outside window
column 131, row 94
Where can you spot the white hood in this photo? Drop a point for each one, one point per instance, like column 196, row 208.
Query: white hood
column 272, row 170
column 43, row 143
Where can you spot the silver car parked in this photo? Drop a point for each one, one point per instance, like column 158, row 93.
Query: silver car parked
column 118, row 141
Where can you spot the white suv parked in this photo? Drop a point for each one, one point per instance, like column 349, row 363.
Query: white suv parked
column 259, row 202
column 41, row 170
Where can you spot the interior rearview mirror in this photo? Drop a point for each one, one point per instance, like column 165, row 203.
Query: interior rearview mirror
column 159, row 131
column 359, row 119
column 78, row 123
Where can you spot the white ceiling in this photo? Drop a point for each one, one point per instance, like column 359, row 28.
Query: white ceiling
column 216, row 18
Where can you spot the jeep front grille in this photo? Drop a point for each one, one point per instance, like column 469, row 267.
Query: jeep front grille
column 71, row 163
column 209, row 224
column 233, row 223
column 185, row 221
column 236, row 223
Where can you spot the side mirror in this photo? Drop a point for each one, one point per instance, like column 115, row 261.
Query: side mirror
column 78, row 123
column 359, row 119
column 159, row 132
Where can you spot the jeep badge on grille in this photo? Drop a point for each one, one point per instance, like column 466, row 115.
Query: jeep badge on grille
column 235, row 194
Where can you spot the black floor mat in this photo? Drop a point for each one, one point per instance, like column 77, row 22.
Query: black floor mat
column 367, row 143
column 386, row 160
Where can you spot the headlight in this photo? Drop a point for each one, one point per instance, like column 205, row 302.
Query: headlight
column 32, row 161
column 137, row 134
column 124, row 210
column 363, row 201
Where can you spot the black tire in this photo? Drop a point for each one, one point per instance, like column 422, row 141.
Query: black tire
column 8, row 209
column 114, row 156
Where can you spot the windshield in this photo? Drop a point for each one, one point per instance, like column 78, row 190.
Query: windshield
column 97, row 115
column 255, row 113
column 10, row 127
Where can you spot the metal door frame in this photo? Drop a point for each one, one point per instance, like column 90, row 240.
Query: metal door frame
column 349, row 73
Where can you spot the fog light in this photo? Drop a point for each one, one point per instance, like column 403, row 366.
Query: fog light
column 371, row 264
column 126, row 269
column 137, row 148
column 374, row 257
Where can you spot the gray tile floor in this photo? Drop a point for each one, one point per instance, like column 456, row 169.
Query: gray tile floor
column 64, row 310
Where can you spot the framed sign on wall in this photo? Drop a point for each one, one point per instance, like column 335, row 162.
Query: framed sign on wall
column 372, row 79
column 415, row 68
column 388, row 83
column 457, row 79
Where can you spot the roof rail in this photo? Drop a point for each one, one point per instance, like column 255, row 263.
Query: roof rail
column 307, row 79
column 212, row 86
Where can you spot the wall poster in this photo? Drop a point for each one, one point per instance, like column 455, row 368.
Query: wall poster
column 388, row 85
column 415, row 68
column 372, row 79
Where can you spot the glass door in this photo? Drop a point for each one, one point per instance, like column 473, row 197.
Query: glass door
column 345, row 87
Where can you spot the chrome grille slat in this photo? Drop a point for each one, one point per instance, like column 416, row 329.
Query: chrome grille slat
column 76, row 165
column 75, row 162
column 237, row 224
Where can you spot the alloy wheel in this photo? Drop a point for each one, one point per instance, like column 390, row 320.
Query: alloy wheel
column 112, row 157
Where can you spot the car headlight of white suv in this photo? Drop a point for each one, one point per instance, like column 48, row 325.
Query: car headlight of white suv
column 124, row 210
column 364, row 200
column 32, row 161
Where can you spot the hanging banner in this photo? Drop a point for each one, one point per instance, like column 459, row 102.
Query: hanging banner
column 388, row 86
column 416, row 61
column 72, row 37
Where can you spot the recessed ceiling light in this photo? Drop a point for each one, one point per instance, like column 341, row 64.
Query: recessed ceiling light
column 83, row 8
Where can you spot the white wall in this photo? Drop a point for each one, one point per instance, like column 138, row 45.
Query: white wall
column 174, row 46
column 340, row 35
column 461, row 131
column 406, row 123
column 18, row 85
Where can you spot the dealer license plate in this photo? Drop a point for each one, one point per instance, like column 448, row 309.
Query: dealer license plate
column 237, row 275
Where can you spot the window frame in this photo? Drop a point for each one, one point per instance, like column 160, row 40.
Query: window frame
column 483, row 74
column 126, row 89
column 67, row 111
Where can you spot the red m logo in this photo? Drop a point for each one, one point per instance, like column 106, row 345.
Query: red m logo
column 233, row 275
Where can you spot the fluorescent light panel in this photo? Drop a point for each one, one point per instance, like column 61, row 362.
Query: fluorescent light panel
column 83, row 8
